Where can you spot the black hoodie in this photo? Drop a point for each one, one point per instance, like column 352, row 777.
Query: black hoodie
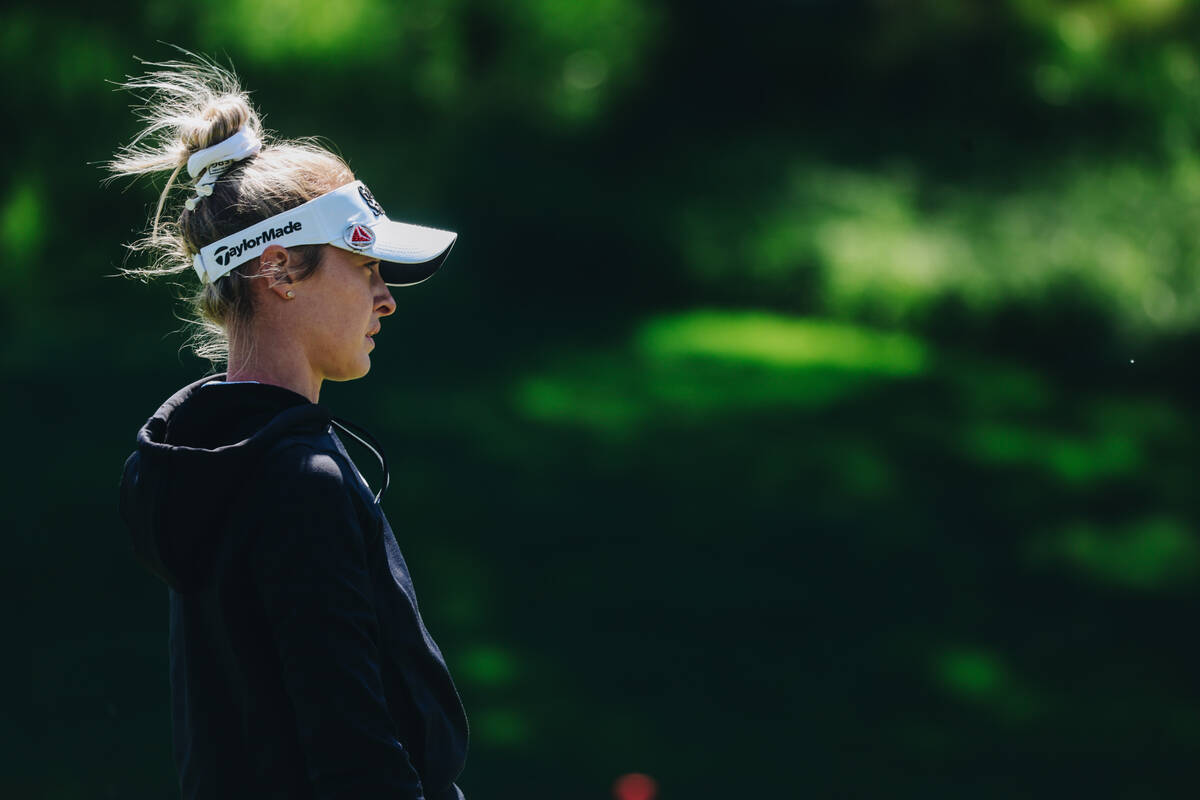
column 300, row 667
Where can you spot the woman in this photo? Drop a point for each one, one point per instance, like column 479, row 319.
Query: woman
column 300, row 666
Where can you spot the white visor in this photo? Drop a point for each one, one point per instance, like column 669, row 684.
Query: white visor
column 349, row 218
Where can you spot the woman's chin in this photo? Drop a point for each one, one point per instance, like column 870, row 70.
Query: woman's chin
column 350, row 373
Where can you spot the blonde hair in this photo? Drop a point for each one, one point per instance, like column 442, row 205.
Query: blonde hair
column 187, row 106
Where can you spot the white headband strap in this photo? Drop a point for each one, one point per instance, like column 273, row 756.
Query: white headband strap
column 321, row 220
column 348, row 218
column 210, row 162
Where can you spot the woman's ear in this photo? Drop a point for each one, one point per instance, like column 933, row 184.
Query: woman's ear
column 276, row 265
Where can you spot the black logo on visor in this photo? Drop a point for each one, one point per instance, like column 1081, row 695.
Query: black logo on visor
column 370, row 200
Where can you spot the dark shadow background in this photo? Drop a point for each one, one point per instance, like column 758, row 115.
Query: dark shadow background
column 804, row 412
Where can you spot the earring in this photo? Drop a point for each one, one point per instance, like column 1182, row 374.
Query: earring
column 290, row 293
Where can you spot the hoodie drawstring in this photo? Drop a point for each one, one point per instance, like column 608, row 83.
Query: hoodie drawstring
column 368, row 441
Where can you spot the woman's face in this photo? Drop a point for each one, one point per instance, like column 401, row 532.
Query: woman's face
column 342, row 304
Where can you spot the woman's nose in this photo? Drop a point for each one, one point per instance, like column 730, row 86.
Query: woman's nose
column 385, row 304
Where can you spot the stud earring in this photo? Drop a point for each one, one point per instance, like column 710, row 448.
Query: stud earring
column 290, row 293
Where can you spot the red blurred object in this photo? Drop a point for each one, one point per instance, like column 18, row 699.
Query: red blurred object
column 635, row 786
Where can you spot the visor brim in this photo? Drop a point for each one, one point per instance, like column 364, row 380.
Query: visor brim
column 399, row 273
column 408, row 254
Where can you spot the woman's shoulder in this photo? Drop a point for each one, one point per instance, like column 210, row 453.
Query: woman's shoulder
column 305, row 468
column 311, row 459
column 307, row 478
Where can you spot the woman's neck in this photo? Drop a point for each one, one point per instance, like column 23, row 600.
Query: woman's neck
column 280, row 368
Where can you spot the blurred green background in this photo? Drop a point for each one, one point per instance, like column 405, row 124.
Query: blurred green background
column 805, row 410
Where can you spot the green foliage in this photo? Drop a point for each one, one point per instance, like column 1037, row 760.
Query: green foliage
column 1148, row 554
column 893, row 243
column 22, row 234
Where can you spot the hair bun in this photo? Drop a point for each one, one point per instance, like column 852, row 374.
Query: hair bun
column 221, row 118
column 185, row 107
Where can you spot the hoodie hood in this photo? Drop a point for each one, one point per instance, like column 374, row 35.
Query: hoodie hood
column 194, row 456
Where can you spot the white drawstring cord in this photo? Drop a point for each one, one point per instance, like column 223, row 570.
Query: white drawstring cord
column 345, row 426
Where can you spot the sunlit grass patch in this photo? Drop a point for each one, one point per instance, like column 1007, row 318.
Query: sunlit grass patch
column 1151, row 553
column 780, row 342
column 693, row 365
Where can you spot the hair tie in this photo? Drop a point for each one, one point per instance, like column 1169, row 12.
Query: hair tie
column 207, row 165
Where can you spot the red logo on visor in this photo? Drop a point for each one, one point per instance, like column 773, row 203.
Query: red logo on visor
column 359, row 236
